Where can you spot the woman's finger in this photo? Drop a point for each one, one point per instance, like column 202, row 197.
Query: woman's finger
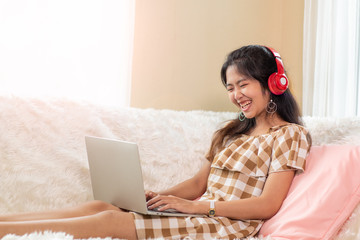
column 150, row 194
column 159, row 201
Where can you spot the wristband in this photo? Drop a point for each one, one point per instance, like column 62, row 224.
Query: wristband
column 212, row 209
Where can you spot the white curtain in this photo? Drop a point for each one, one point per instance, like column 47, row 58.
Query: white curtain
column 78, row 49
column 331, row 58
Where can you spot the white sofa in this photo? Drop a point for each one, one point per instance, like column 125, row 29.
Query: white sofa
column 43, row 162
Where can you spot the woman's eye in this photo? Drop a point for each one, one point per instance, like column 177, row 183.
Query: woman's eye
column 243, row 85
column 229, row 89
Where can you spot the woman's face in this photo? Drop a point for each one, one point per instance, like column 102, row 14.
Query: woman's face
column 246, row 93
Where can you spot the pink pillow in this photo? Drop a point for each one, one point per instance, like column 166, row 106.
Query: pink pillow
column 322, row 198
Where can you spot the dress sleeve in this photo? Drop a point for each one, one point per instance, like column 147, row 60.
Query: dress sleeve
column 290, row 149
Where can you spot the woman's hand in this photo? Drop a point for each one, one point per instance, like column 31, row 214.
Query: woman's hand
column 179, row 204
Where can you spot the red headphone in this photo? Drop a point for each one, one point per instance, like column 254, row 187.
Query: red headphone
column 278, row 82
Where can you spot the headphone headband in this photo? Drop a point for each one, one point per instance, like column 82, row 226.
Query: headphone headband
column 279, row 63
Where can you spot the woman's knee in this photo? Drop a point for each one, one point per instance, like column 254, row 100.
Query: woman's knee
column 118, row 223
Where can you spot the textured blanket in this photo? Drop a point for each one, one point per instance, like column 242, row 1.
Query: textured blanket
column 43, row 161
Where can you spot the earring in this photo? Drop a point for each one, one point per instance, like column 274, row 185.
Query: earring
column 271, row 107
column 242, row 116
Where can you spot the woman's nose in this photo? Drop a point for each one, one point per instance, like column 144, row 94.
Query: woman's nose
column 237, row 94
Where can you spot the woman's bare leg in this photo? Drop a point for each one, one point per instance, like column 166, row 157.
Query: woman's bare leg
column 110, row 223
column 85, row 209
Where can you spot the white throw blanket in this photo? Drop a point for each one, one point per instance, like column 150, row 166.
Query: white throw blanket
column 43, row 161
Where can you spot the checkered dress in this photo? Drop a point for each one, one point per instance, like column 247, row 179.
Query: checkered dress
column 239, row 171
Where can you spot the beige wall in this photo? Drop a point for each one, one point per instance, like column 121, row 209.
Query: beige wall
column 180, row 45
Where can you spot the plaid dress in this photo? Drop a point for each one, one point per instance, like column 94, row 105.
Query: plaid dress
column 238, row 171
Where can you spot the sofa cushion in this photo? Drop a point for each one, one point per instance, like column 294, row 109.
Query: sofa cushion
column 321, row 199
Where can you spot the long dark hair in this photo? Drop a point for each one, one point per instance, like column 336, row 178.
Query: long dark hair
column 259, row 63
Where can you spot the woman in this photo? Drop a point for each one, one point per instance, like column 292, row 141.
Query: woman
column 252, row 161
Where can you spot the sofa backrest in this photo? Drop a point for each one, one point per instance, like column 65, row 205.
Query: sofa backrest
column 42, row 142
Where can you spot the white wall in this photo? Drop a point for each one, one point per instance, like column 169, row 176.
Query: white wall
column 75, row 48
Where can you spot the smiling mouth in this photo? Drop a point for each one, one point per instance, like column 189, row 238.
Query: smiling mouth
column 245, row 105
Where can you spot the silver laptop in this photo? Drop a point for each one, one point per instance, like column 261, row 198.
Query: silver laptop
column 116, row 175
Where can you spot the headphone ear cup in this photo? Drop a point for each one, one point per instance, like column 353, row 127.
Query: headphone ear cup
column 278, row 83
